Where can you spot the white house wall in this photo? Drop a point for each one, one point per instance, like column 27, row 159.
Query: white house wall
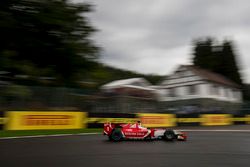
column 225, row 94
column 203, row 91
column 181, row 81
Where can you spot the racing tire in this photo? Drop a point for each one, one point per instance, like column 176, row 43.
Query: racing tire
column 148, row 138
column 116, row 135
column 169, row 135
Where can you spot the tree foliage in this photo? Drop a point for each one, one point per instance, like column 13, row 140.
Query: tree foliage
column 45, row 38
column 219, row 58
column 103, row 74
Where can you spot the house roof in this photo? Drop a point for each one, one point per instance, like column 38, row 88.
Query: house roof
column 131, row 82
column 211, row 76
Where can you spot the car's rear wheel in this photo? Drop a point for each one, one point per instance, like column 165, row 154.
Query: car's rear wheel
column 148, row 138
column 116, row 135
column 169, row 135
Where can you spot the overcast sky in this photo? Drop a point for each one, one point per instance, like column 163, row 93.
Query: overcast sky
column 155, row 36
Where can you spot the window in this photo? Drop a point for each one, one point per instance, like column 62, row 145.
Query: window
column 192, row 90
column 230, row 93
column 172, row 92
column 235, row 94
column 214, row 90
column 178, row 74
column 227, row 92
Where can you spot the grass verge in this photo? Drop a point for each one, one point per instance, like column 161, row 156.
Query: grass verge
column 14, row 133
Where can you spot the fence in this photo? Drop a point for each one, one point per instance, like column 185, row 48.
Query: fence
column 60, row 98
column 44, row 98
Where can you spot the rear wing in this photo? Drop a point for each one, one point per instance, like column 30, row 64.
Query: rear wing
column 108, row 128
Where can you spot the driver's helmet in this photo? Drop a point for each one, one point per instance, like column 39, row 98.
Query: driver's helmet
column 139, row 123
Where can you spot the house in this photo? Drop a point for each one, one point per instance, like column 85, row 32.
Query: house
column 191, row 89
column 131, row 95
column 137, row 87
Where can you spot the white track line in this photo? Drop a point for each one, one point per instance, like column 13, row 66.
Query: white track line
column 40, row 136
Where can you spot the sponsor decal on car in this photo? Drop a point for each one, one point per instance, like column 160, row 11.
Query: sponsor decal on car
column 134, row 133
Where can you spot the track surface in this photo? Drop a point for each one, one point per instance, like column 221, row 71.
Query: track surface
column 203, row 149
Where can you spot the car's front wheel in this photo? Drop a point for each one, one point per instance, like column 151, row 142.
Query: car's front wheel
column 169, row 135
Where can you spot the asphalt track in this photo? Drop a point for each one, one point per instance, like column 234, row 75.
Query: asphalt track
column 203, row 149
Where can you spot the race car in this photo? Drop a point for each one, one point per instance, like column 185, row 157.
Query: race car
column 136, row 131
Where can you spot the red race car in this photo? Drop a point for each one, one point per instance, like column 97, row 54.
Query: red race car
column 136, row 131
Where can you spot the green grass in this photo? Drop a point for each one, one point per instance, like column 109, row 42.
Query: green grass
column 13, row 133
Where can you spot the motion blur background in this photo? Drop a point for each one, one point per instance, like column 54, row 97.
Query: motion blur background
column 68, row 66
column 53, row 56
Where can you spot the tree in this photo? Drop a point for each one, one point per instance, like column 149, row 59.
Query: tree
column 228, row 63
column 217, row 58
column 203, row 55
column 46, row 38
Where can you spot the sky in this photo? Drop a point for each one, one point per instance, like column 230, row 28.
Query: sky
column 155, row 36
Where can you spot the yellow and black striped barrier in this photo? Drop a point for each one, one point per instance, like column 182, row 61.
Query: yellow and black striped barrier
column 22, row 120
column 216, row 119
column 37, row 120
